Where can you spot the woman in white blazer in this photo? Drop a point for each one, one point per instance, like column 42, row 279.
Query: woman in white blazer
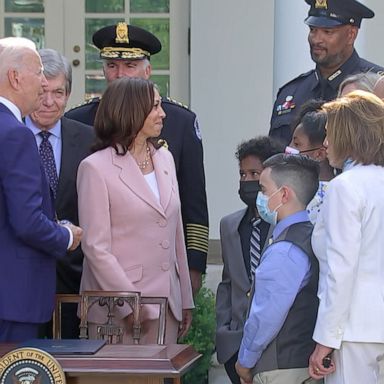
column 348, row 240
column 129, row 208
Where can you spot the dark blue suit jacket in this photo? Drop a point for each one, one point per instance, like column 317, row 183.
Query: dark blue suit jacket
column 30, row 241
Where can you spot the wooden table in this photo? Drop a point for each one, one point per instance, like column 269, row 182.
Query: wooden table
column 135, row 364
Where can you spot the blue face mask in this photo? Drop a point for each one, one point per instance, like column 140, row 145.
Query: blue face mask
column 262, row 207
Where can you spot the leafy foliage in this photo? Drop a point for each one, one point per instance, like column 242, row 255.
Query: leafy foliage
column 202, row 336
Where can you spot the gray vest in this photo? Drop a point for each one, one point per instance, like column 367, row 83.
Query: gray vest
column 293, row 345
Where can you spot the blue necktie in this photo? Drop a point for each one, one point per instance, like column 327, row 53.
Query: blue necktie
column 255, row 247
column 48, row 159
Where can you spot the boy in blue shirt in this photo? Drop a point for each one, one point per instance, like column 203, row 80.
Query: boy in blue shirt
column 277, row 340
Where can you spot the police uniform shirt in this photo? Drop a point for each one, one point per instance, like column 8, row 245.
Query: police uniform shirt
column 311, row 85
column 181, row 133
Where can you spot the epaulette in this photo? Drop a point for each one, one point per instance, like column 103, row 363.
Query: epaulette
column 173, row 101
column 302, row 75
column 368, row 67
column 86, row 102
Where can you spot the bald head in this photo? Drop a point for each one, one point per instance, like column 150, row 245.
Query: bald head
column 378, row 89
column 21, row 73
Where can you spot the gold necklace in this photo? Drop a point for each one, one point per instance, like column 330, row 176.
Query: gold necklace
column 143, row 164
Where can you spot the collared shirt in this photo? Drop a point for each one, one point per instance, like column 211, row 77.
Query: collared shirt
column 284, row 270
column 17, row 113
column 12, row 107
column 327, row 88
column 245, row 231
column 54, row 139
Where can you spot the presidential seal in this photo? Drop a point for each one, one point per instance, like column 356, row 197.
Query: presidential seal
column 30, row 366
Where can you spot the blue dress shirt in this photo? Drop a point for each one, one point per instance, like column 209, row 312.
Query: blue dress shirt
column 283, row 271
column 54, row 139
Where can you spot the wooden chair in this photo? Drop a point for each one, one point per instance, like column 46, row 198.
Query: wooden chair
column 109, row 299
column 61, row 299
column 163, row 304
column 110, row 331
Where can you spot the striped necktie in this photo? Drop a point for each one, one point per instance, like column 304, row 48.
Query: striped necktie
column 255, row 246
column 48, row 159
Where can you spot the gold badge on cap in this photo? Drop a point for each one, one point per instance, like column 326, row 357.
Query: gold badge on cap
column 122, row 33
column 321, row 4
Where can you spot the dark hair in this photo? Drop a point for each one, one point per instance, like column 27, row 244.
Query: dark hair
column 312, row 119
column 261, row 147
column 299, row 172
column 125, row 105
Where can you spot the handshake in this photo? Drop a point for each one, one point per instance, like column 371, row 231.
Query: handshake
column 77, row 232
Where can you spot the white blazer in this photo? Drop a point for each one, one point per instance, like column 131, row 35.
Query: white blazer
column 348, row 240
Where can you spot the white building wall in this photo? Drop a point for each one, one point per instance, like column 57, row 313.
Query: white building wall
column 291, row 53
column 369, row 41
column 231, row 77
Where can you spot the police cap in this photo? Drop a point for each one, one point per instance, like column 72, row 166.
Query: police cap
column 332, row 13
column 123, row 41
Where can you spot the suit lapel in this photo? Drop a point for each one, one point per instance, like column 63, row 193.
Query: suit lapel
column 69, row 145
column 163, row 176
column 132, row 177
column 235, row 236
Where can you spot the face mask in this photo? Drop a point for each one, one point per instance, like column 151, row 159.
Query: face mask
column 248, row 191
column 291, row 151
column 262, row 206
column 294, row 151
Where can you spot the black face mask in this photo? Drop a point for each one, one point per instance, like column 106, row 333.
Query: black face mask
column 248, row 192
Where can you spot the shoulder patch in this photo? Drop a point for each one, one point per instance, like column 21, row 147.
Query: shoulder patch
column 367, row 66
column 197, row 129
column 378, row 70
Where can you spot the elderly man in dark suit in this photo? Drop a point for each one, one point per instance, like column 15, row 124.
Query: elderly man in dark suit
column 31, row 240
column 69, row 142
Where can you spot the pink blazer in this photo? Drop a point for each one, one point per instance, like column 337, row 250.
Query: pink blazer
column 132, row 242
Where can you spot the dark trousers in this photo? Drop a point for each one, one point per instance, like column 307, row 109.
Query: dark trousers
column 70, row 324
column 230, row 369
column 13, row 331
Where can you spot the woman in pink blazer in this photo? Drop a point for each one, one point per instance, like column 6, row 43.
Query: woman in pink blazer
column 129, row 208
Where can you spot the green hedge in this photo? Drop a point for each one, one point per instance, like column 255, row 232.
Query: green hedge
column 202, row 336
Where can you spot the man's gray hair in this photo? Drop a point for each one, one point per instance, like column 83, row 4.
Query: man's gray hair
column 365, row 81
column 55, row 64
column 12, row 51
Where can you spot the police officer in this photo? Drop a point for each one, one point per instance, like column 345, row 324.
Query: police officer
column 333, row 27
column 126, row 51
